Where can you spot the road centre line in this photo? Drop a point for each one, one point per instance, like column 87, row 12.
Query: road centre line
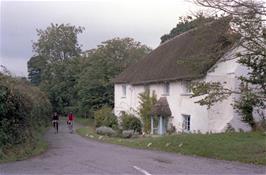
column 142, row 170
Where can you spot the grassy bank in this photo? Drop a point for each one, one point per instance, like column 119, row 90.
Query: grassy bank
column 85, row 121
column 243, row 147
column 25, row 150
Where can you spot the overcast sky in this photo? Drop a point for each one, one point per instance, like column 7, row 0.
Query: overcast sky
column 144, row 20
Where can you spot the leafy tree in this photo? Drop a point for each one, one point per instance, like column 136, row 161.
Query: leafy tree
column 56, row 67
column 59, row 81
column 247, row 21
column 185, row 24
column 108, row 60
column 36, row 66
column 146, row 103
column 58, row 42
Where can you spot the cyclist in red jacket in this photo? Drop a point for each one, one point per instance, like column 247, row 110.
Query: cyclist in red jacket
column 70, row 120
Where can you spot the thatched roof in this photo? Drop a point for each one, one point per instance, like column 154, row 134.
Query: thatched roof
column 187, row 56
column 161, row 108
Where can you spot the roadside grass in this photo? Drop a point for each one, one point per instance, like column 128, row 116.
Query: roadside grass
column 243, row 147
column 85, row 121
column 25, row 150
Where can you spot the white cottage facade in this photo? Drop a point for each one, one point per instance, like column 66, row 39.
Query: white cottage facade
column 186, row 115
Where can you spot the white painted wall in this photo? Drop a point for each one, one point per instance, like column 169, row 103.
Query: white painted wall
column 204, row 120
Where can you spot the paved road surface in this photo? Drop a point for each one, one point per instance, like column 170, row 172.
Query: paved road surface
column 72, row 154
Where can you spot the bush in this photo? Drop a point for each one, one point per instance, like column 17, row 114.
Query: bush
column 130, row 122
column 127, row 133
column 23, row 110
column 103, row 130
column 105, row 117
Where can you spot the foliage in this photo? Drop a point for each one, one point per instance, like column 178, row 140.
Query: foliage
column 131, row 122
column 127, row 133
column 59, row 80
column 23, row 109
column 58, row 42
column 76, row 81
column 245, row 106
column 36, row 66
column 213, row 89
column 146, row 103
column 107, row 61
column 185, row 24
column 105, row 117
column 53, row 67
column 25, row 150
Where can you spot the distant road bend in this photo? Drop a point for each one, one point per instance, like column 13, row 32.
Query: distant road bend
column 72, row 154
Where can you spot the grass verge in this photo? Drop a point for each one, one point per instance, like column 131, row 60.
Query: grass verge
column 243, row 147
column 25, row 150
column 85, row 121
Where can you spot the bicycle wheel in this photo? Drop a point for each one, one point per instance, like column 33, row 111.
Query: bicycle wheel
column 56, row 127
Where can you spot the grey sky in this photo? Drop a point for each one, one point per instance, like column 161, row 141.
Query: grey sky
column 144, row 20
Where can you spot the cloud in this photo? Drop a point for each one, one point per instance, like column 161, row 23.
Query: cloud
column 143, row 20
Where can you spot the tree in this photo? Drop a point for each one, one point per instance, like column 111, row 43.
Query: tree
column 36, row 66
column 54, row 67
column 108, row 60
column 185, row 24
column 58, row 42
column 146, row 103
column 59, row 80
column 247, row 21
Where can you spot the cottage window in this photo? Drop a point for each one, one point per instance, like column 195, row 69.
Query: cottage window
column 166, row 89
column 186, row 122
column 124, row 90
column 146, row 88
column 186, row 88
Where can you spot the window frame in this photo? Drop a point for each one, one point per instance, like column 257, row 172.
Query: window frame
column 124, row 90
column 186, row 122
column 186, row 91
column 166, row 89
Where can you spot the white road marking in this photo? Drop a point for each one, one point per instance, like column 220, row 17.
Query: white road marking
column 142, row 170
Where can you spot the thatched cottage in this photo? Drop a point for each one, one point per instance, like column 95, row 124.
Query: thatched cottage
column 206, row 53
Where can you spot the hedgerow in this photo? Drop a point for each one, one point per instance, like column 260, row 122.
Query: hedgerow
column 23, row 109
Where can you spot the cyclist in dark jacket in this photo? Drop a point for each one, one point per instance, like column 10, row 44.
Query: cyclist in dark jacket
column 55, row 121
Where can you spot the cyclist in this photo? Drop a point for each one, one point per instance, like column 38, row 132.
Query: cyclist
column 55, row 121
column 70, row 120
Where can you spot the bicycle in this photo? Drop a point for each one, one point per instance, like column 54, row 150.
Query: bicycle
column 55, row 124
column 70, row 126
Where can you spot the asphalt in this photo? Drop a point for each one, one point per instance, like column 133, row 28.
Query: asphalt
column 71, row 154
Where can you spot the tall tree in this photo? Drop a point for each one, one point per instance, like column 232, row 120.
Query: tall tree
column 107, row 61
column 186, row 23
column 58, row 42
column 59, row 80
column 53, row 66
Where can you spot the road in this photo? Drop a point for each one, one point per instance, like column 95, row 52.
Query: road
column 72, row 154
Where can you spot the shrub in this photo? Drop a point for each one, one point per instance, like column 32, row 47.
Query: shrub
column 130, row 122
column 105, row 117
column 103, row 130
column 146, row 103
column 23, row 110
column 171, row 129
column 127, row 133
